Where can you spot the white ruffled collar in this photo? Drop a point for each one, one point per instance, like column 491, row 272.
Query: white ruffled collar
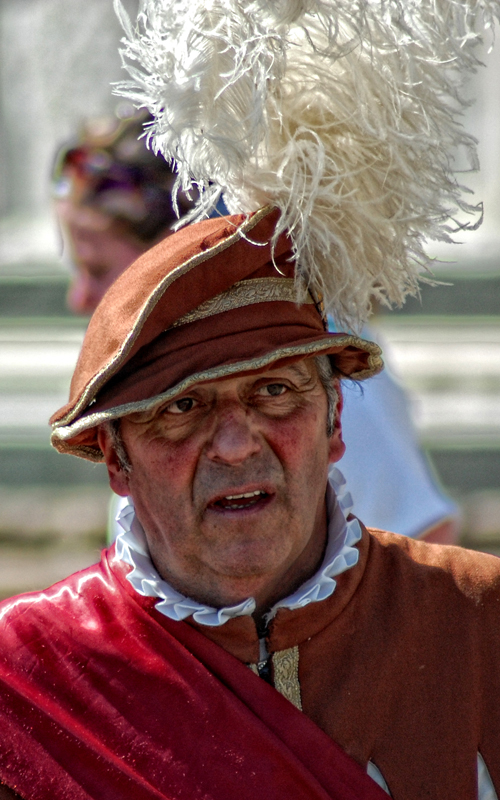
column 341, row 554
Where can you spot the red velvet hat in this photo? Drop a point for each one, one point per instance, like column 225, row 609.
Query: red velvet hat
column 213, row 300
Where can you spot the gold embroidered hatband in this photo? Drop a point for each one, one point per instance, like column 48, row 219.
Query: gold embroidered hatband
column 246, row 293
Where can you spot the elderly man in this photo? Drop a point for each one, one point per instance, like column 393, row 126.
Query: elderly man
column 246, row 636
column 113, row 201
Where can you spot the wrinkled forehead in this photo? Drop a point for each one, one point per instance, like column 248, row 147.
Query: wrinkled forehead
column 296, row 370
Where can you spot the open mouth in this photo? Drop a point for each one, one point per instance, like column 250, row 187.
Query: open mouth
column 236, row 502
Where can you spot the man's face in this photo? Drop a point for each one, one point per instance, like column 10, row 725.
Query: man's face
column 229, row 483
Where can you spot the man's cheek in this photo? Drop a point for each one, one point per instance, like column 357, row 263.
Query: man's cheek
column 160, row 460
column 294, row 443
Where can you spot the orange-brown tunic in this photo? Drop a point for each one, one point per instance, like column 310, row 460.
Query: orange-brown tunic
column 102, row 696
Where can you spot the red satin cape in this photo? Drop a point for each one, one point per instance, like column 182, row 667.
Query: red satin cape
column 101, row 696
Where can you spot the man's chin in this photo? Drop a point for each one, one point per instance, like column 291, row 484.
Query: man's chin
column 251, row 560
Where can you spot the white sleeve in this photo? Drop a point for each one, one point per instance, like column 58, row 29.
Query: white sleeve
column 387, row 474
column 485, row 788
column 377, row 776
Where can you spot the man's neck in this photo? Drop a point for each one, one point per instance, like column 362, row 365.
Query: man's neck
column 267, row 589
column 287, row 583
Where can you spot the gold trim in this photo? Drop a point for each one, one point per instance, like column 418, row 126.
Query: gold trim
column 113, row 365
column 85, row 451
column 246, row 293
column 286, row 675
column 65, row 432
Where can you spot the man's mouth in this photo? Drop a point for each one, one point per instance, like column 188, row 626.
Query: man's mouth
column 236, row 502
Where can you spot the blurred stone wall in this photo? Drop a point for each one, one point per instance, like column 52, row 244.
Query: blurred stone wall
column 58, row 60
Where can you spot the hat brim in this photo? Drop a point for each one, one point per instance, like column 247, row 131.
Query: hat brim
column 353, row 357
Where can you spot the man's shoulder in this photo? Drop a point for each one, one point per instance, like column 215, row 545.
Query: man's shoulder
column 441, row 568
column 62, row 602
column 88, row 614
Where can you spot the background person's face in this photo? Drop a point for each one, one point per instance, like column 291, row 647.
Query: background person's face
column 229, row 483
column 99, row 254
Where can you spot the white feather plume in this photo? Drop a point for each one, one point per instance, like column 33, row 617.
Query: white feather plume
column 344, row 114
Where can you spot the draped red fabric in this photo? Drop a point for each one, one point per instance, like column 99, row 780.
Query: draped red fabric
column 103, row 697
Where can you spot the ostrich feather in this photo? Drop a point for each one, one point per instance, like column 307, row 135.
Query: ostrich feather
column 344, row 114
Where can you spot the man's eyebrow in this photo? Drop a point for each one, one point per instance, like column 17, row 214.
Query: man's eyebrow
column 300, row 370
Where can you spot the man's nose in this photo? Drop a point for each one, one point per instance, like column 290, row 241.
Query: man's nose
column 234, row 438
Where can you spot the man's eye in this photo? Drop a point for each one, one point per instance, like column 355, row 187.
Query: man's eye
column 273, row 389
column 181, row 406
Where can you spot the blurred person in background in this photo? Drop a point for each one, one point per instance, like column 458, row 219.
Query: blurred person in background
column 113, row 199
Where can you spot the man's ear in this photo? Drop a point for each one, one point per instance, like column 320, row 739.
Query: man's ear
column 118, row 478
column 336, row 444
